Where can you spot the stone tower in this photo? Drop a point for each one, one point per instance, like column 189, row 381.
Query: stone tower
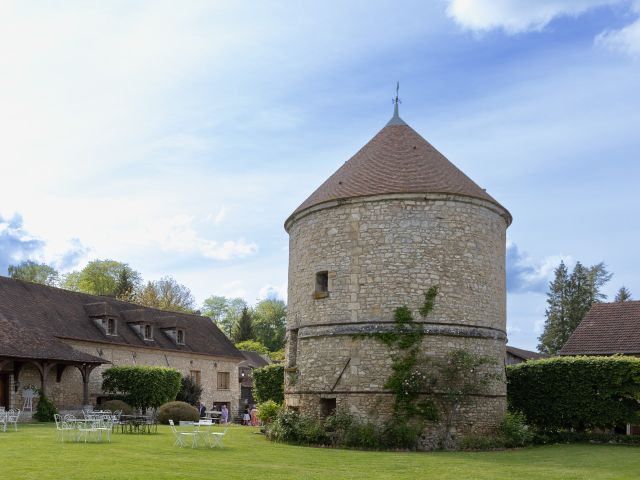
column 395, row 219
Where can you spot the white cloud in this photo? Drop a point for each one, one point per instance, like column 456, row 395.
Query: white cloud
column 277, row 291
column 625, row 40
column 218, row 217
column 524, row 274
column 517, row 16
column 177, row 234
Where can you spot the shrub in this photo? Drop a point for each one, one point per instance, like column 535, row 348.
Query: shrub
column 178, row 411
column 585, row 437
column 268, row 383
column 252, row 346
column 337, row 426
column 399, row 434
column 576, row 392
column 362, row 435
column 285, row 427
column 190, row 392
column 312, row 432
column 268, row 411
column 482, row 442
column 277, row 356
column 45, row 410
column 515, row 431
column 113, row 405
column 142, row 387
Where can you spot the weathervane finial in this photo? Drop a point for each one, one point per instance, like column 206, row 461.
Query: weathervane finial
column 396, row 101
column 396, row 120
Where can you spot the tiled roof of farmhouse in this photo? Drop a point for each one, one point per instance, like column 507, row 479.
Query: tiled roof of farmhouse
column 36, row 319
column 396, row 160
column 607, row 329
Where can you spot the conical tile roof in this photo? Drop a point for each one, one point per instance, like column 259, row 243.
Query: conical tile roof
column 396, row 160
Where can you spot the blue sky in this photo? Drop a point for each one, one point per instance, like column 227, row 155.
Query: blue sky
column 178, row 137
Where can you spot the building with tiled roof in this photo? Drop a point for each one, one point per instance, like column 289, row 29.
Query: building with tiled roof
column 608, row 329
column 519, row 355
column 60, row 341
column 394, row 220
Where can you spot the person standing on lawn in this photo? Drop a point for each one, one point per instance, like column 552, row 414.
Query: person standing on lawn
column 246, row 418
column 224, row 417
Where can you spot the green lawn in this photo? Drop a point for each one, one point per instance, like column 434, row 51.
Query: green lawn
column 34, row 453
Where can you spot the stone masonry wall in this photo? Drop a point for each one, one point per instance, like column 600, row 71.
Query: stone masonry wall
column 382, row 253
column 387, row 253
column 68, row 393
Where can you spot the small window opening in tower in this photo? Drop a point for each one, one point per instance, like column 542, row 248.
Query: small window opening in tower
column 322, row 284
column 148, row 332
column 327, row 406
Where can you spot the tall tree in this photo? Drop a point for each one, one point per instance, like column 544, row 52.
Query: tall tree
column 556, row 323
column 127, row 285
column 31, row 271
column 569, row 299
column 243, row 328
column 623, row 295
column 598, row 277
column 269, row 323
column 224, row 312
column 101, row 277
column 166, row 294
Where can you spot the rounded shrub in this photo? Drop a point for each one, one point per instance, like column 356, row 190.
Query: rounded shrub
column 113, row 405
column 45, row 410
column 177, row 411
column 268, row 411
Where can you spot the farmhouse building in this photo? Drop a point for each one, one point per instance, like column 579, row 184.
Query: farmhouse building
column 60, row 341
column 608, row 329
column 393, row 221
column 518, row 355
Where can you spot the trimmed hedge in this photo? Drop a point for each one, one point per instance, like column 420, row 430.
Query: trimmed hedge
column 268, row 383
column 142, row 387
column 178, row 411
column 576, row 392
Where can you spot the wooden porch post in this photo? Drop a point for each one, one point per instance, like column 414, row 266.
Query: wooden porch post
column 86, row 370
column 44, row 368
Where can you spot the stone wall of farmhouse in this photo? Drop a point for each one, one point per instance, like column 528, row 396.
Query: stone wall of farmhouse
column 67, row 394
column 382, row 253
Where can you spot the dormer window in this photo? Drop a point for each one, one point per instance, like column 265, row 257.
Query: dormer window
column 111, row 326
column 147, row 332
column 180, row 337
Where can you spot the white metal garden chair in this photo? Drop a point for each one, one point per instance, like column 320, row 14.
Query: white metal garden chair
column 215, row 438
column 62, row 427
column 87, row 428
column 3, row 420
column 12, row 417
column 180, row 436
column 104, row 425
